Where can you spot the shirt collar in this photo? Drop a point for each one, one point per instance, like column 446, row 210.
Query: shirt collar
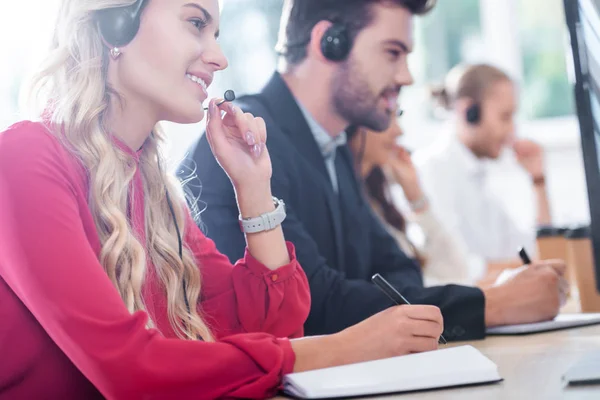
column 126, row 149
column 327, row 144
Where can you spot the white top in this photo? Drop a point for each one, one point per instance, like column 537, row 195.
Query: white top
column 446, row 259
column 456, row 183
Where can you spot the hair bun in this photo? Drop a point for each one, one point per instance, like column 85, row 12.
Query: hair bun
column 441, row 96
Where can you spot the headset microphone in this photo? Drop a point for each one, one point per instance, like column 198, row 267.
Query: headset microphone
column 229, row 95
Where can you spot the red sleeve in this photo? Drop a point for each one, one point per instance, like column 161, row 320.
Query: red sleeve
column 249, row 297
column 47, row 261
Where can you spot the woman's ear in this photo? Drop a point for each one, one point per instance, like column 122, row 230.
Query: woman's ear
column 114, row 51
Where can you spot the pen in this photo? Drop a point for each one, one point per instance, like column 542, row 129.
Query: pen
column 395, row 295
column 524, row 256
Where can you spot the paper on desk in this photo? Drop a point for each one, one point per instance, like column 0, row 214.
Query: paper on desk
column 562, row 321
column 456, row 366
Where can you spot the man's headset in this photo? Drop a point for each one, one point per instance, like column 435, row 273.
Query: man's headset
column 473, row 114
column 335, row 43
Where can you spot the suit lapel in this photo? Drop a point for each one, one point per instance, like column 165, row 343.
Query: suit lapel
column 284, row 109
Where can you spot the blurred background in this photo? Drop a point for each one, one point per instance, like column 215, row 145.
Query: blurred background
column 528, row 38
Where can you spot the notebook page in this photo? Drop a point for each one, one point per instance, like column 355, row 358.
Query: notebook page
column 562, row 321
column 436, row 369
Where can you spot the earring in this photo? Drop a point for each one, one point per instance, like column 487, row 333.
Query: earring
column 115, row 52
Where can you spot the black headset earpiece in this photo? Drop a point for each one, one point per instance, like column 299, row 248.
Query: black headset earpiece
column 473, row 114
column 118, row 26
column 335, row 43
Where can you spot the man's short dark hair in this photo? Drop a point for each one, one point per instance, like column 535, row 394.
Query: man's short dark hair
column 301, row 16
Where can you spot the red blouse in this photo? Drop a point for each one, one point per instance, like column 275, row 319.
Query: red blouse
column 65, row 333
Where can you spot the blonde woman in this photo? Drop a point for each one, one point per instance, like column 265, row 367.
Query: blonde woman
column 107, row 288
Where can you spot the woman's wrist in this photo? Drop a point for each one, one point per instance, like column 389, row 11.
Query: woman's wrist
column 318, row 352
column 413, row 194
column 539, row 181
column 416, row 198
column 254, row 202
column 412, row 189
column 420, row 205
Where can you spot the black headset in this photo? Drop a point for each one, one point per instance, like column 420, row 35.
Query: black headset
column 335, row 43
column 119, row 25
column 473, row 114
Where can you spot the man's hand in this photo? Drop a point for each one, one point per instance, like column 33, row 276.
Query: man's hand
column 531, row 157
column 533, row 294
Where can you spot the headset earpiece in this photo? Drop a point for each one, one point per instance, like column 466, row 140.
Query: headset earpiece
column 473, row 114
column 118, row 26
column 335, row 43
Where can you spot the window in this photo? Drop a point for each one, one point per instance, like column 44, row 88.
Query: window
column 547, row 91
column 450, row 34
column 24, row 36
column 484, row 31
column 250, row 30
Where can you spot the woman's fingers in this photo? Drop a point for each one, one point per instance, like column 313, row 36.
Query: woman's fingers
column 215, row 130
column 253, row 136
column 262, row 129
column 243, row 127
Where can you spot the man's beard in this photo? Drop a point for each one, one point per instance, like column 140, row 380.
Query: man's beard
column 354, row 101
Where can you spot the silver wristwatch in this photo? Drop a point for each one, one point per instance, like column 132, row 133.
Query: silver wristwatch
column 265, row 222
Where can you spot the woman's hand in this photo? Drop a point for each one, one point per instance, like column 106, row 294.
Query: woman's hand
column 396, row 331
column 405, row 174
column 237, row 141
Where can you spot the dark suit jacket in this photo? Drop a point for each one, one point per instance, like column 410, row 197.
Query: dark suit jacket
column 339, row 242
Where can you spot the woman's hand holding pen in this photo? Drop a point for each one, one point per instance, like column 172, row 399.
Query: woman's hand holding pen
column 396, row 331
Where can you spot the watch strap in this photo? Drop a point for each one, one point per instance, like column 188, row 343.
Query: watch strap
column 265, row 222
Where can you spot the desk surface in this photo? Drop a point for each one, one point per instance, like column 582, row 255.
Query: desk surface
column 532, row 367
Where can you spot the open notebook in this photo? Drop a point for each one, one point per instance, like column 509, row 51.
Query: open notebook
column 457, row 366
column 562, row 321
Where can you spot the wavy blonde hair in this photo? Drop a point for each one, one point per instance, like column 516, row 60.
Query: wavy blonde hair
column 73, row 88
